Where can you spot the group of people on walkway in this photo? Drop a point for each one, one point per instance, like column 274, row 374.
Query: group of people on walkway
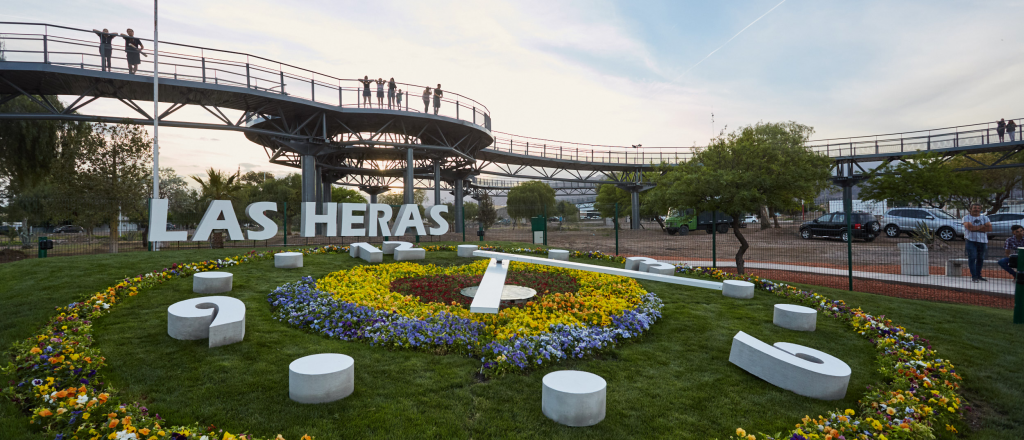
column 132, row 49
column 1006, row 127
column 395, row 95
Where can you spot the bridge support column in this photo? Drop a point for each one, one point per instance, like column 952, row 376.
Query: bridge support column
column 309, row 177
column 373, row 191
column 634, row 218
column 458, row 204
column 437, row 182
column 409, row 196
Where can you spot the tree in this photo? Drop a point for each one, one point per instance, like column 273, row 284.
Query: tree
column 398, row 198
column 926, row 180
column 219, row 185
column 530, row 199
column 182, row 201
column 30, row 150
column 346, row 195
column 108, row 177
column 763, row 164
column 994, row 185
column 566, row 210
column 486, row 214
column 256, row 178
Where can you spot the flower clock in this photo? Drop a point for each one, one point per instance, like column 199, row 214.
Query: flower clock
column 413, row 306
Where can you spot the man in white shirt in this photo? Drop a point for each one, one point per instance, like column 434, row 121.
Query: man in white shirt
column 977, row 227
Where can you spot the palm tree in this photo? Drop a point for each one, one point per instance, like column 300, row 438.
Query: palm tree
column 218, row 186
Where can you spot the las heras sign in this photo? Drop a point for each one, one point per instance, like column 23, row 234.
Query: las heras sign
column 350, row 219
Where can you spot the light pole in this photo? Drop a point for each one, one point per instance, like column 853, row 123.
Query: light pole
column 156, row 111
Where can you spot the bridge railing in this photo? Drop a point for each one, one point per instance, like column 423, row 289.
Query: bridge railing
column 550, row 149
column 80, row 48
column 509, row 183
column 974, row 135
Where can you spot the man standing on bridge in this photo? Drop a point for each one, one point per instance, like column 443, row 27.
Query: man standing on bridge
column 437, row 98
column 1001, row 128
column 977, row 226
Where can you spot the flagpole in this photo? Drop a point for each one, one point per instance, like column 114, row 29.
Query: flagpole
column 156, row 109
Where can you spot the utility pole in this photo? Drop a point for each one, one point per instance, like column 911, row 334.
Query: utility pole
column 156, row 110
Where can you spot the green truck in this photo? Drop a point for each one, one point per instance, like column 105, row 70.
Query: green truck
column 682, row 221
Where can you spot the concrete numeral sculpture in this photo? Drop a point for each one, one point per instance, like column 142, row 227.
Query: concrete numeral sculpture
column 403, row 251
column 367, row 252
column 649, row 265
column 488, row 295
column 802, row 370
column 221, row 319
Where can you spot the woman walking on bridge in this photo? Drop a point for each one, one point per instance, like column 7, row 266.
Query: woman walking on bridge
column 1011, row 127
column 132, row 48
column 437, row 98
column 366, row 89
column 426, row 100
column 106, row 48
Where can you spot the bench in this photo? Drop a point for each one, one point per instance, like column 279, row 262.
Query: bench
column 954, row 266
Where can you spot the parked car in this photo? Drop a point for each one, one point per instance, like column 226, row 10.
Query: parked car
column 68, row 229
column 904, row 220
column 834, row 225
column 750, row 218
column 1001, row 223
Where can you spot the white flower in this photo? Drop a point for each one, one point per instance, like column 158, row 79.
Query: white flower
column 204, row 438
column 83, row 399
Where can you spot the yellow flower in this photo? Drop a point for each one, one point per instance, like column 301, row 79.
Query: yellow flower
column 740, row 432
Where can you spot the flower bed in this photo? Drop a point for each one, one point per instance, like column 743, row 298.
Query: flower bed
column 360, row 303
column 56, row 372
column 920, row 393
column 447, row 289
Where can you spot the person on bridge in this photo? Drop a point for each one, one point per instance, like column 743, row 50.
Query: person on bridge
column 106, row 48
column 1009, row 264
column 1011, row 128
column 366, row 89
column 380, row 92
column 132, row 48
column 426, row 100
column 391, row 92
column 399, row 99
column 1001, row 128
column 978, row 226
column 437, row 98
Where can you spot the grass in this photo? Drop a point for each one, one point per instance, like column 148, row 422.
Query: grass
column 675, row 382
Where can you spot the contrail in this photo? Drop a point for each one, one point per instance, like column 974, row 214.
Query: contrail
column 727, row 42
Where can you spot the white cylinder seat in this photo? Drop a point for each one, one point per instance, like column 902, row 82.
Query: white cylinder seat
column 211, row 282
column 558, row 254
column 738, row 289
column 221, row 319
column 288, row 260
column 321, row 378
column 466, row 250
column 574, row 398
column 794, row 317
column 410, row 254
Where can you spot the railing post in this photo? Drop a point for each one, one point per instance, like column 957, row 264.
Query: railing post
column 247, row 81
column 474, row 115
column 456, row 109
column 204, row 69
column 956, row 138
column 46, row 52
column 929, row 147
column 282, row 81
column 312, row 89
column 339, row 95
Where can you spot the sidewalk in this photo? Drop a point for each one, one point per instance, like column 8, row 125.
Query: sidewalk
column 998, row 286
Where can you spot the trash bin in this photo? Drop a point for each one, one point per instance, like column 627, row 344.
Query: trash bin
column 914, row 259
column 539, row 225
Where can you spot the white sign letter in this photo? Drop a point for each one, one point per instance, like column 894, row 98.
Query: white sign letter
column 376, row 219
column 434, row 212
column 310, row 219
column 408, row 217
column 158, row 223
column 349, row 220
column 255, row 212
column 211, row 220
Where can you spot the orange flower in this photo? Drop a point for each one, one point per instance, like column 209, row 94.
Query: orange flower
column 62, row 394
column 103, row 397
column 35, row 350
column 113, row 424
column 144, row 431
column 45, row 413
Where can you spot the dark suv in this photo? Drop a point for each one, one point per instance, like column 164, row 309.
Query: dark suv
column 834, row 225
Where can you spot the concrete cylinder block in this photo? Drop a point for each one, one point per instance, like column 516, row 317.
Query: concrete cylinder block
column 794, row 317
column 211, row 282
column 738, row 289
column 558, row 254
column 466, row 250
column 574, row 398
column 321, row 378
column 288, row 260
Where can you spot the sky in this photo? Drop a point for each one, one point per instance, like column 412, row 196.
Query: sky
column 613, row 72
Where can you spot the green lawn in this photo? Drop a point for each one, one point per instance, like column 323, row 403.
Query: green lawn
column 675, row 382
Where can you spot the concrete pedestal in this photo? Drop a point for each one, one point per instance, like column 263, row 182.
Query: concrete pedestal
column 466, row 250
column 558, row 254
column 738, row 289
column 410, row 254
column 211, row 282
column 574, row 398
column 794, row 317
column 288, row 260
column 321, row 378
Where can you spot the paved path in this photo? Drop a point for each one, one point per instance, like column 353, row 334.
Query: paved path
column 1000, row 286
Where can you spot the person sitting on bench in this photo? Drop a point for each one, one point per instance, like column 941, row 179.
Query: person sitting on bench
column 1015, row 241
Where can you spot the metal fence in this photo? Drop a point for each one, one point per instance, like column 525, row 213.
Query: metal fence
column 893, row 266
